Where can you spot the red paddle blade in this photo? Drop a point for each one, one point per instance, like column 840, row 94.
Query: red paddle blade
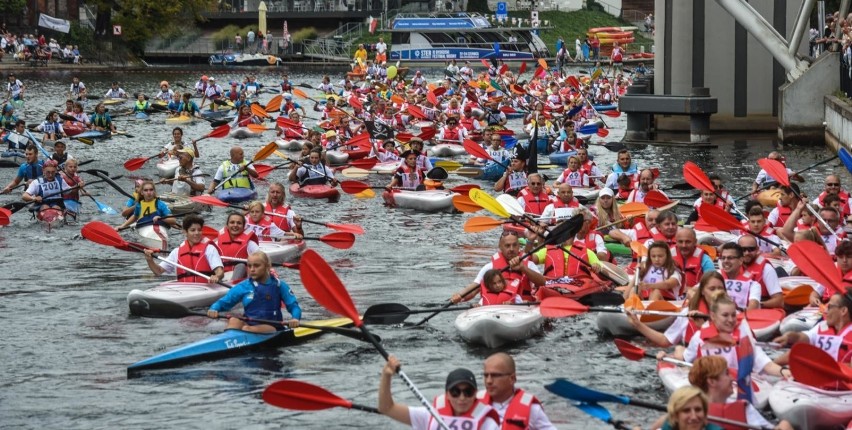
column 364, row 163
column 506, row 132
column 103, row 234
column 719, row 218
column 286, row 122
column 404, row 137
column 325, row 287
column 464, row 188
column 290, row 266
column 612, row 113
column 4, row 219
column 353, row 187
column 210, row 232
column 517, row 89
column 813, row 260
column 602, row 132
column 355, row 103
column 522, row 69
column 503, row 69
column 775, row 169
column 209, row 200
column 573, row 81
column 485, row 63
column 427, row 133
column 302, row 396
column 656, row 199
column 507, row 109
column 561, row 307
column 349, row 228
column 416, row 112
column 339, row 240
column 5, row 212
column 475, row 149
column 263, row 170
column 629, row 350
column 432, row 98
column 696, row 177
column 812, row 366
column 135, row 163
column 220, row 131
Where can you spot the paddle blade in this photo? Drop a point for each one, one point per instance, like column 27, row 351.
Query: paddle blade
column 570, row 390
column 463, row 203
column 346, row 228
column 257, row 128
column 339, row 240
column 258, row 111
column 522, row 69
column 386, row 313
column 432, row 98
column 218, row 132
column 812, row 366
column 103, row 234
column 602, row 132
column 152, row 307
column 464, row 188
column 364, row 163
column 813, row 260
column 274, row 104
column 479, row 224
column 210, row 232
column 629, row 350
column 775, row 169
column 510, row 204
column 719, row 218
column 799, row 296
column 4, row 219
column 633, row 209
column 658, row 305
column 612, row 113
column 135, row 163
column 427, row 133
column 490, row 204
column 846, row 158
column 353, row 187
column 209, row 200
column 416, row 112
column 299, row 93
column 265, row 152
column 561, row 307
column 475, row 149
column 595, row 410
column 696, row 177
column 302, row 396
column 263, row 170
column 325, row 287
column 656, row 199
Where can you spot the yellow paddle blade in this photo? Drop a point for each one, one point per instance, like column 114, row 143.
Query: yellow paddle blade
column 633, row 209
column 366, row 194
column 463, row 203
column 481, row 223
column 543, row 63
column 489, row 203
column 448, row 165
column 634, row 302
column 265, row 152
column 639, row 249
column 392, row 71
column 281, row 155
column 355, row 172
column 710, row 250
column 597, row 74
column 658, row 305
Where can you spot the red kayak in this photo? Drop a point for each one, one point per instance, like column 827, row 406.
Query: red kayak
column 50, row 216
column 73, row 128
column 316, row 192
column 357, row 154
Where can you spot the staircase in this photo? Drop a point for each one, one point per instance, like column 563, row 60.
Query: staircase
column 635, row 11
column 336, row 45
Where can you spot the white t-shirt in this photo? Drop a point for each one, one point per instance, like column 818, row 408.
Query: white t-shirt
column 420, row 418
column 490, row 266
column 691, row 353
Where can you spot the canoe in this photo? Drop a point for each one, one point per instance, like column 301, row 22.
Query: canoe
column 181, row 204
column 561, row 158
column 807, row 407
column 182, row 119
column 94, row 134
column 617, row 248
column 447, row 150
column 617, row 324
column 289, row 145
column 111, row 102
column 386, row 168
column 282, row 252
column 154, row 236
column 189, row 294
column 236, row 195
column 315, row 192
column 425, row 201
column 231, row 342
column 335, row 157
column 802, row 320
column 217, row 114
column 167, row 167
column 496, row 325
column 674, row 377
column 51, row 217
column 73, row 128
column 242, row 133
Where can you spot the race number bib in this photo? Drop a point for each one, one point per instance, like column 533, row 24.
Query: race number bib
column 738, row 290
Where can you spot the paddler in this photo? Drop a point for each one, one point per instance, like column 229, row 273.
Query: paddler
column 560, row 265
column 534, row 199
column 690, row 259
column 757, row 226
column 315, row 172
column 16, row 139
column 196, row 252
column 514, row 179
column 51, row 127
column 688, row 409
column 176, row 144
column 77, row 91
column 59, row 155
column 423, row 162
column 495, row 150
column 115, row 92
column 517, row 408
column 452, row 133
column 658, row 277
column 573, row 175
column 497, row 291
column 15, row 88
column 409, row 176
column 646, row 184
column 830, row 238
column 833, row 335
column 101, row 120
column 188, row 179
column 149, row 209
column 261, row 296
column 72, row 179
column 788, row 199
column 764, row 181
column 213, row 93
column 457, row 405
column 245, row 117
column 235, row 241
column 187, row 107
column 166, row 94
column 742, row 288
column 563, row 207
column 285, row 218
column 237, row 166
column 47, row 190
column 623, row 166
column 201, row 86
column 29, row 171
column 8, row 119
column 263, row 226
column 762, row 272
column 141, row 105
column 289, row 107
column 174, row 104
column 832, row 186
column 251, row 87
column 664, row 230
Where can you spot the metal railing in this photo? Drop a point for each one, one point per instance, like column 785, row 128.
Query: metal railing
column 87, row 17
column 845, row 76
column 326, row 50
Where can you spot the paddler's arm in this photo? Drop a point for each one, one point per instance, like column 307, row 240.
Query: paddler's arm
column 387, row 406
column 534, row 276
column 149, row 258
column 500, row 184
column 128, row 221
column 788, row 231
column 467, row 294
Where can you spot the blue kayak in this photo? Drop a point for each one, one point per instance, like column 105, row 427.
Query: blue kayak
column 492, row 172
column 93, row 134
column 236, row 195
column 561, row 158
column 141, row 115
column 603, row 108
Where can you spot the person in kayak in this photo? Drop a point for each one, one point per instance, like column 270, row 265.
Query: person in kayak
column 564, row 206
column 263, row 226
column 710, row 374
column 514, row 179
column 658, row 278
column 534, row 199
column 285, row 218
column 15, row 88
column 196, row 252
column 17, row 139
column 315, row 172
column 171, row 148
column 174, row 105
column 72, row 180
column 423, row 162
column 8, row 119
column 261, row 296
column 623, row 166
column 59, row 154
column 237, row 166
column 458, row 406
column 188, row 179
column 100, row 120
column 51, row 127
column 166, row 94
column 115, row 92
column 522, row 408
column 28, row 171
column 408, row 176
column 77, row 91
column 687, row 410
column 235, row 241
column 762, row 272
column 47, row 190
column 833, row 335
column 149, row 209
column 141, row 105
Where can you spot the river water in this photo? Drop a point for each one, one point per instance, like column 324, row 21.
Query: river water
column 70, row 338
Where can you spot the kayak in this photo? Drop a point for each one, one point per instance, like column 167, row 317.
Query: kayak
column 587, row 193
column 491, row 172
column 447, row 150
column 617, row 248
column 214, row 114
column 807, row 407
column 282, row 252
column 575, row 291
column 51, row 217
column 231, row 342
column 766, row 327
column 357, row 154
column 496, row 325
column 111, row 102
column 386, row 168
column 94, row 134
column 242, row 133
column 335, row 157
column 604, row 108
column 315, row 192
column 561, row 158
column 188, row 294
column 714, row 238
column 425, row 201
column 617, row 324
column 674, row 377
column 289, row 145
column 236, row 194
column 802, row 320
column 181, row 204
column 167, row 167
column 154, row 236
column 182, row 119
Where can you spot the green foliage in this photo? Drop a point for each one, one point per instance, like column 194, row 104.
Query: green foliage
column 227, row 33
column 12, row 7
column 478, row 6
column 143, row 19
column 302, row 34
column 79, row 35
column 571, row 25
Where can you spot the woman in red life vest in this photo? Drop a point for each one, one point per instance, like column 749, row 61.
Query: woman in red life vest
column 196, row 252
column 680, row 332
column 235, row 241
column 458, row 406
column 710, row 374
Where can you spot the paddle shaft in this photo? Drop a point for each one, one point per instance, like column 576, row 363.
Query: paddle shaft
column 766, row 186
column 101, row 174
column 75, row 187
column 187, row 269
column 138, row 224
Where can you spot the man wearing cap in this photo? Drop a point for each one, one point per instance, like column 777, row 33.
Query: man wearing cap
column 237, row 166
column 517, row 408
column 469, row 121
column 213, row 92
column 15, row 88
column 289, row 106
column 409, row 175
column 458, row 407
column 189, row 179
column 514, row 179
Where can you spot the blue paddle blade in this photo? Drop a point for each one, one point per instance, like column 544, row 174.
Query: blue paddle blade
column 509, row 142
column 589, row 129
column 570, row 390
column 846, row 158
column 104, row 208
column 72, row 206
column 595, row 410
column 574, row 111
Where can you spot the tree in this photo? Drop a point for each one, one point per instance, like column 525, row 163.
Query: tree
column 12, row 7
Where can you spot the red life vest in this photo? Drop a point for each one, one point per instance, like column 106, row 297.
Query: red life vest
column 234, row 247
column 735, row 411
column 467, row 123
column 555, row 265
column 689, row 266
column 659, row 237
column 617, row 55
column 837, row 345
column 844, row 201
column 783, row 213
column 489, row 298
column 404, row 173
column 755, row 270
column 280, row 221
column 477, row 415
column 451, row 134
column 261, row 228
column 535, row 204
column 693, row 327
column 517, row 416
column 623, row 194
column 642, row 232
column 524, row 287
column 194, row 258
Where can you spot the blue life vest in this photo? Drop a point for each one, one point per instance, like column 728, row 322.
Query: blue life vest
column 266, row 300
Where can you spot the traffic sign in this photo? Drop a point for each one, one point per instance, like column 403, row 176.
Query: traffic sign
column 502, row 11
column 116, row 30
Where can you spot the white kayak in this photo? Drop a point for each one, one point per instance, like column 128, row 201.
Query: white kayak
column 425, row 201
column 154, row 236
column 282, row 252
column 181, row 204
column 806, row 407
column 801, row 320
column 790, row 283
column 242, row 133
column 714, row 238
column 167, row 167
column 617, row 324
column 335, row 157
column 386, row 168
column 674, row 377
column 447, row 150
column 289, row 145
column 189, row 294
column 588, row 193
column 420, row 125
column 496, row 325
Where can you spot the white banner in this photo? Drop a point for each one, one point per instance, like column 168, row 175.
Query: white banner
column 60, row 25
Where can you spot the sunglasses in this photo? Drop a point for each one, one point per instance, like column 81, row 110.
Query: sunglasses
column 509, row 233
column 832, row 184
column 468, row 392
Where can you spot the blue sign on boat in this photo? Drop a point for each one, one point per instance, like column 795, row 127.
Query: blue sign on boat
column 502, row 11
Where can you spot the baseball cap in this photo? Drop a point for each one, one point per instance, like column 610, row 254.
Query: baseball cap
column 189, row 151
column 460, row 376
column 606, row 192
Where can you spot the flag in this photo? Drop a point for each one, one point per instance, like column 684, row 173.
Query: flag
column 57, row 24
column 286, row 35
column 745, row 363
column 379, row 130
column 373, row 24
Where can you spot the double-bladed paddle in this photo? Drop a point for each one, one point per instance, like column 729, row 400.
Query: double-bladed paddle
column 478, row 151
column 397, row 313
column 562, row 307
column 328, row 290
column 137, row 163
column 814, row 261
column 302, row 396
column 14, row 207
column 812, row 366
column 775, row 169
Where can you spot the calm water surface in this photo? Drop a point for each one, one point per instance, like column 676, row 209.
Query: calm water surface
column 69, row 337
